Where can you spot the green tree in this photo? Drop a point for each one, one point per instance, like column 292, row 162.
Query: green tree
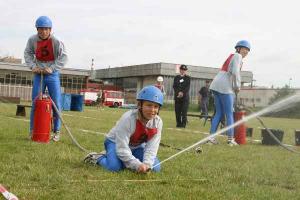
column 292, row 112
column 281, row 93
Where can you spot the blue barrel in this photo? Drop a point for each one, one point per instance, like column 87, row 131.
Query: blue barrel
column 66, row 101
column 77, row 102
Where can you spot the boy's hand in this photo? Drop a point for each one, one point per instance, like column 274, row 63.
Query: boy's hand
column 47, row 70
column 237, row 90
column 36, row 70
column 143, row 168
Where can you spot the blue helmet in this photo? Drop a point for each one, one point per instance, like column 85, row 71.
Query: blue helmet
column 151, row 93
column 43, row 22
column 243, row 43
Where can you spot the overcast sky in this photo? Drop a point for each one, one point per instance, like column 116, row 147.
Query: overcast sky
column 127, row 32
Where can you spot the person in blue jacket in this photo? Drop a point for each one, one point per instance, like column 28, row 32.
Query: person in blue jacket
column 46, row 55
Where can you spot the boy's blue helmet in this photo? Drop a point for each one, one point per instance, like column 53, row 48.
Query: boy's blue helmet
column 43, row 22
column 243, row 43
column 151, row 93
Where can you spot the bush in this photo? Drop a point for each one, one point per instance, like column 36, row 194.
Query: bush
column 292, row 112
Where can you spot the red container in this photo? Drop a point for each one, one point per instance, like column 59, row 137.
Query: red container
column 42, row 120
column 240, row 130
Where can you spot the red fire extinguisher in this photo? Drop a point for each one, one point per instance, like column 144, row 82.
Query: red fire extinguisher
column 240, row 130
column 42, row 117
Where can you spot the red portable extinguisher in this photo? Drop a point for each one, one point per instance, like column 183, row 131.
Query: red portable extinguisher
column 42, row 117
column 240, row 130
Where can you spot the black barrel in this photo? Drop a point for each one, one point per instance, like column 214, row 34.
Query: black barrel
column 297, row 137
column 267, row 139
column 249, row 132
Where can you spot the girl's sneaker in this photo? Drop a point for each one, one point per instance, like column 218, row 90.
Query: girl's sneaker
column 56, row 136
column 232, row 142
column 93, row 157
column 213, row 141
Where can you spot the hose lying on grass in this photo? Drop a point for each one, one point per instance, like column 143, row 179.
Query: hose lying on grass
column 68, row 130
column 284, row 103
column 272, row 135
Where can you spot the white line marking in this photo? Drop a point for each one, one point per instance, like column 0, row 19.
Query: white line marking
column 89, row 131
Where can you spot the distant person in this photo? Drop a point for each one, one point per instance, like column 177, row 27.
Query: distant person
column 46, row 55
column 181, row 88
column 204, row 98
column 160, row 85
column 224, row 86
column 99, row 100
column 134, row 141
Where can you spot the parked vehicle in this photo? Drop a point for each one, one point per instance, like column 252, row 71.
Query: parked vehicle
column 113, row 98
column 90, row 96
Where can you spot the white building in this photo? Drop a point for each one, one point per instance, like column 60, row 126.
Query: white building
column 133, row 78
column 258, row 96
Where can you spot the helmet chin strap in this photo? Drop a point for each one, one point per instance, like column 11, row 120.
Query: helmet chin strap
column 140, row 105
column 141, row 116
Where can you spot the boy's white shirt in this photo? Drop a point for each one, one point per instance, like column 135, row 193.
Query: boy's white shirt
column 120, row 134
column 226, row 82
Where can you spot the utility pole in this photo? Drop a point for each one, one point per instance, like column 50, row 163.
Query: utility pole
column 290, row 82
column 253, row 83
column 92, row 65
column 93, row 73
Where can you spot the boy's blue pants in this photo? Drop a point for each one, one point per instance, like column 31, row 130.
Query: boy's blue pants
column 111, row 162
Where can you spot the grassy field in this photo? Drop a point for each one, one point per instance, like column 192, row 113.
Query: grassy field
column 56, row 171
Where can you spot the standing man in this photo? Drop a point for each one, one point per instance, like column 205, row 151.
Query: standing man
column 181, row 88
column 224, row 86
column 46, row 55
column 204, row 98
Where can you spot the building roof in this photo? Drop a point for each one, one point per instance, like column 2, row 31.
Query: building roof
column 165, row 69
column 22, row 67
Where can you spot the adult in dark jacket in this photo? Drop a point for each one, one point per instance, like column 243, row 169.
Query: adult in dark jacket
column 181, row 88
column 204, row 98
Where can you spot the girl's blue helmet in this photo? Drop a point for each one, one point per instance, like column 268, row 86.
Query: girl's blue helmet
column 151, row 93
column 243, row 43
column 43, row 22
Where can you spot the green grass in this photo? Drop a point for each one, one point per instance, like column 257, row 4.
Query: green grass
column 56, row 171
column 170, row 107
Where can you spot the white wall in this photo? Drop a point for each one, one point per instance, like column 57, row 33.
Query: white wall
column 257, row 97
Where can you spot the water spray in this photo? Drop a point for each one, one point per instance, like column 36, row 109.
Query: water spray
column 280, row 105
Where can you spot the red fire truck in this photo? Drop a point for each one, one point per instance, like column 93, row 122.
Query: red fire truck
column 90, row 96
column 112, row 98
